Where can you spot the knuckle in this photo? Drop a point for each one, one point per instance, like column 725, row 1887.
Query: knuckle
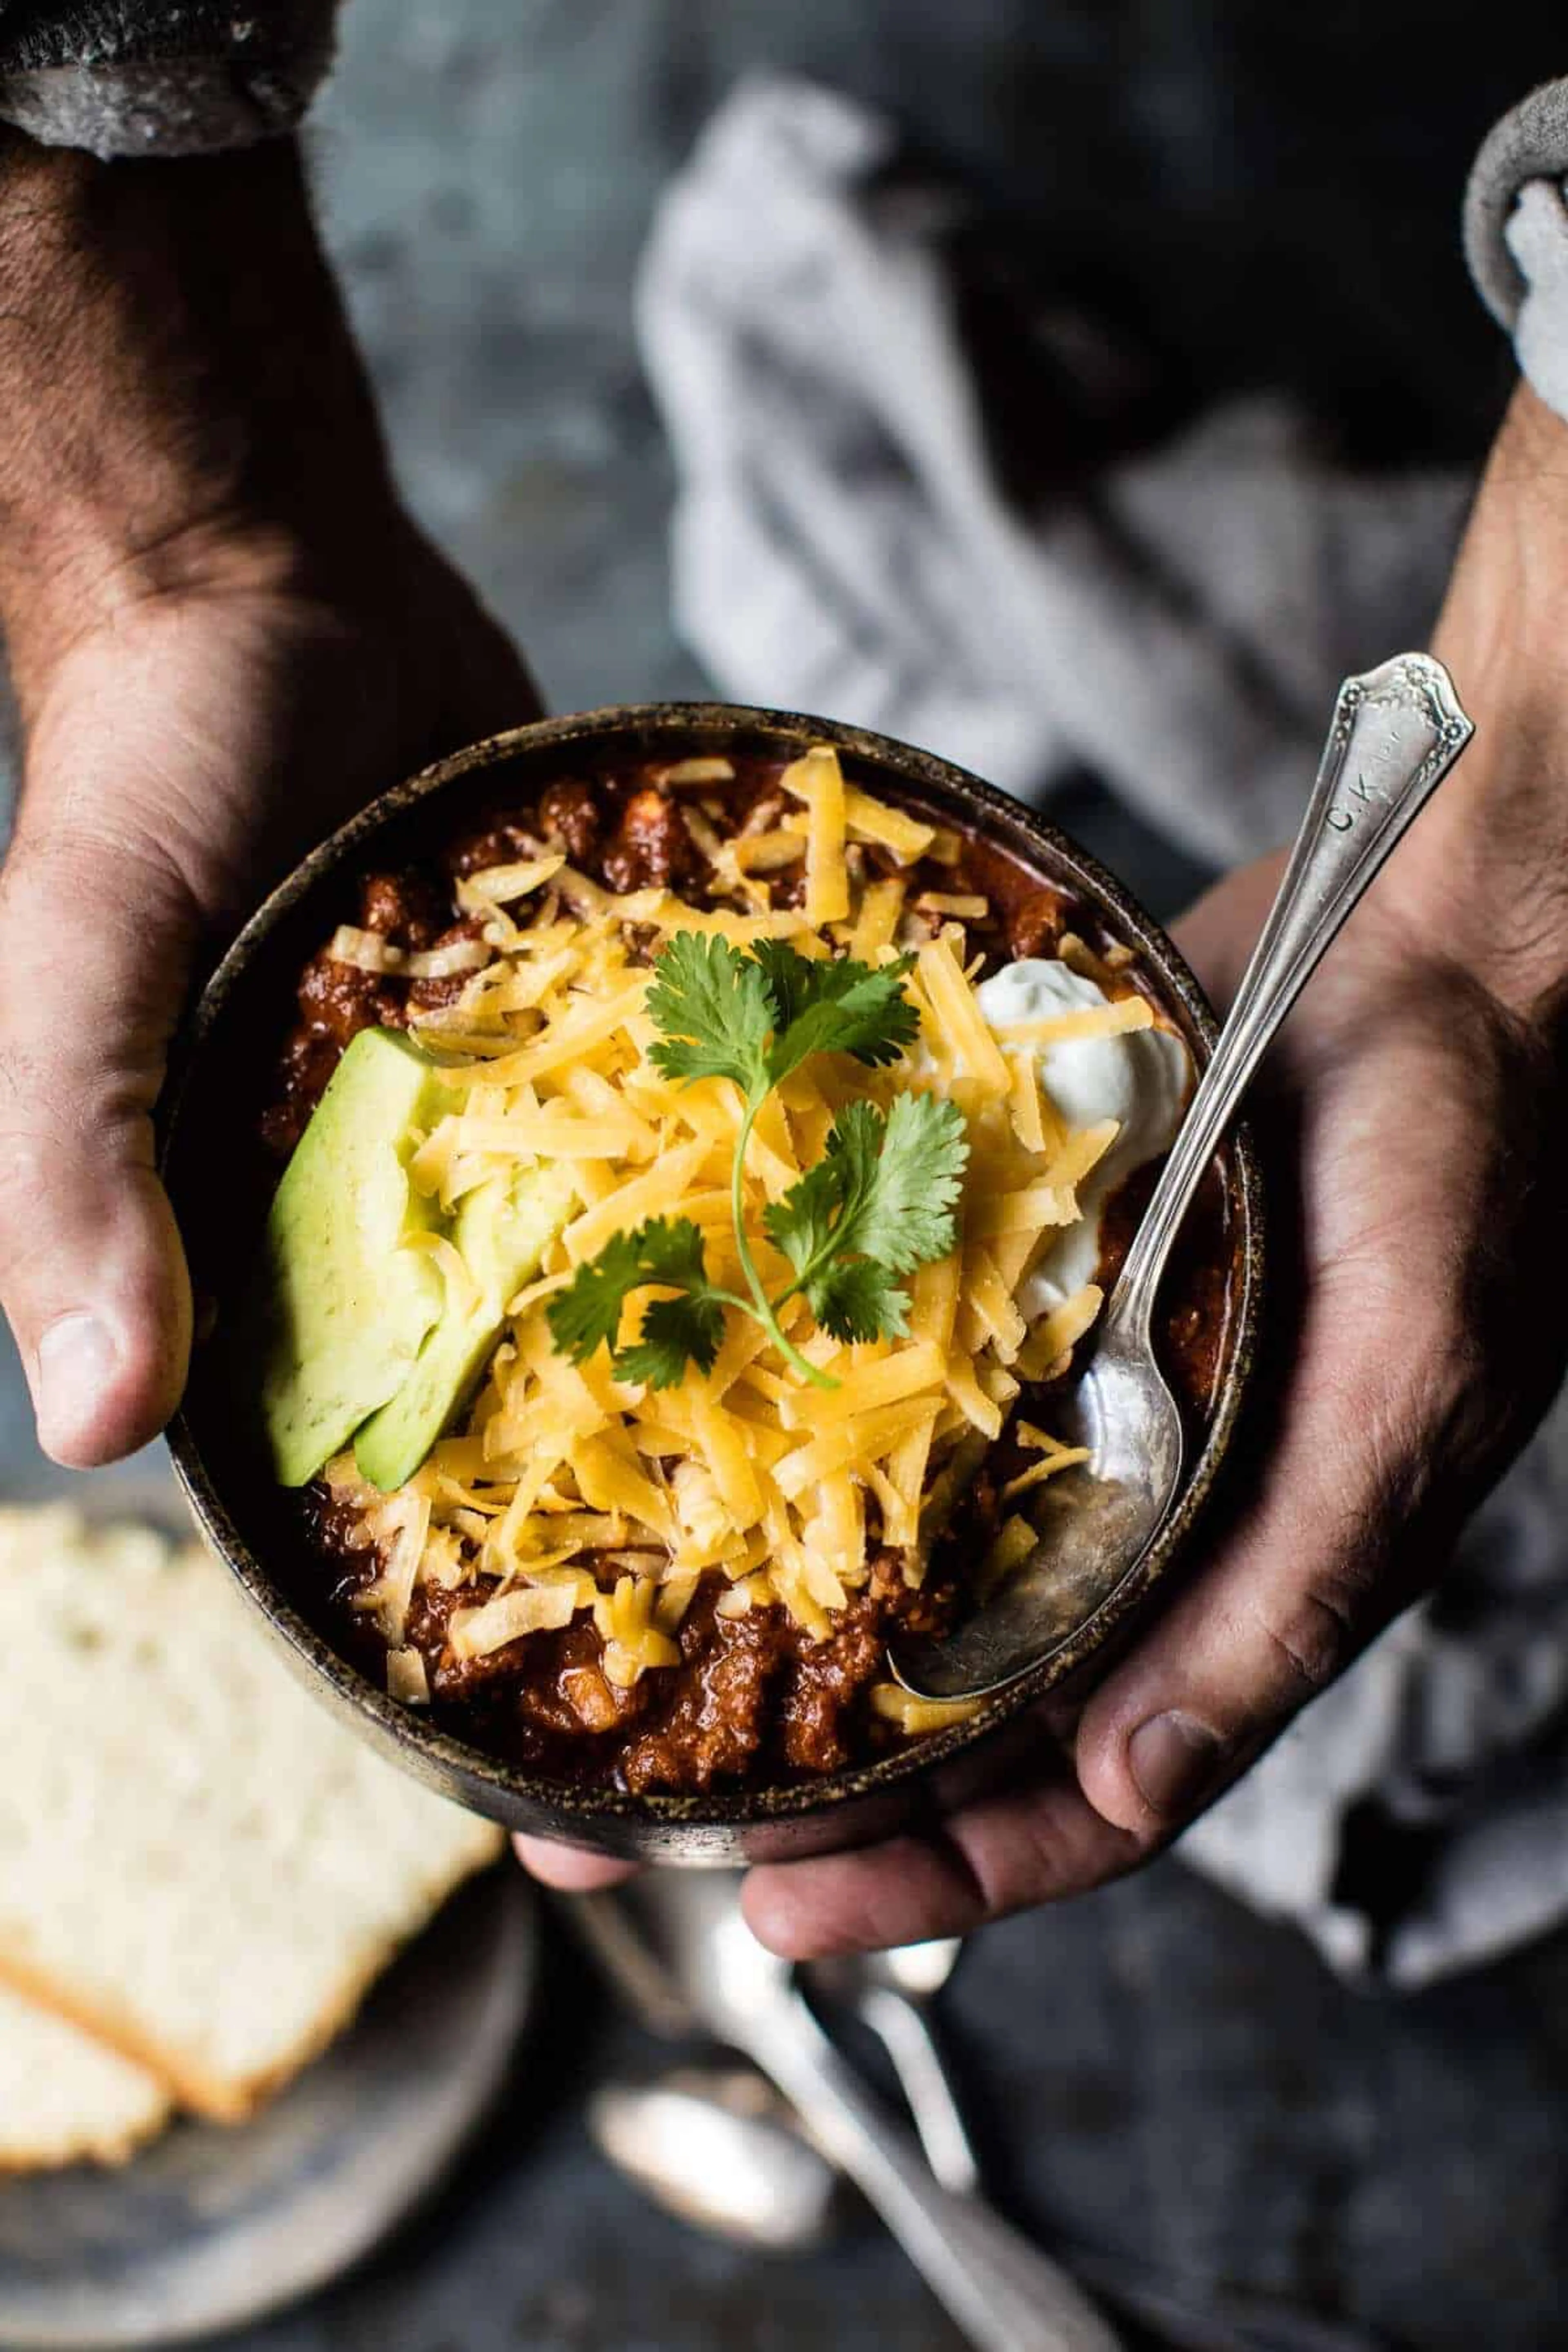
column 31, row 1163
column 47, row 864
column 25, row 1160
column 29, row 1168
column 122, row 862
column 57, row 1092
column 1052, row 1849
column 1314, row 1634
column 60, row 1128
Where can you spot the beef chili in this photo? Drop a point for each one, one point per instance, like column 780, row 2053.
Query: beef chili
column 743, row 1696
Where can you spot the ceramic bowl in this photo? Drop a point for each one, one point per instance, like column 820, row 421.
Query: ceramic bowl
column 219, row 1184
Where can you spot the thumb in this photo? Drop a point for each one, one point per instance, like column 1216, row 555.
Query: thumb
column 96, row 940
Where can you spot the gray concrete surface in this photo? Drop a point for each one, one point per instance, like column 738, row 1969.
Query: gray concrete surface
column 1154, row 2070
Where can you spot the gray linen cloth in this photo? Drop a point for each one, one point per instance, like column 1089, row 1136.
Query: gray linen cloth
column 1178, row 625
column 840, row 541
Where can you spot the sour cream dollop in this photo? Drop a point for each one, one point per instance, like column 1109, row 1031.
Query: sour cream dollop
column 1140, row 1079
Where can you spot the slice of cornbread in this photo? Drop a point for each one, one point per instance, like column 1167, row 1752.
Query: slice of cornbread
column 198, row 1865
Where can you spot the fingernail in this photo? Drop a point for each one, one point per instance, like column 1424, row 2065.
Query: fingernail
column 76, row 1359
column 1175, row 1760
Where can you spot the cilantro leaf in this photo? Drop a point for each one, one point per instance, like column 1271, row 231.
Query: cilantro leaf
column 713, row 1006
column 800, row 1224
column 833, row 1005
column 675, row 1332
column 587, row 1313
column 671, row 1251
column 882, row 1194
column 856, row 1298
column 902, row 1176
column 791, row 977
column 753, row 1018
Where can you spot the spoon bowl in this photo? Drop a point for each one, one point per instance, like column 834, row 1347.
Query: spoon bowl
column 1095, row 1524
column 1395, row 734
column 721, row 2152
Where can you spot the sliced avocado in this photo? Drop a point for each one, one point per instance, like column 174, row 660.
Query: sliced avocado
column 346, row 1308
column 502, row 1230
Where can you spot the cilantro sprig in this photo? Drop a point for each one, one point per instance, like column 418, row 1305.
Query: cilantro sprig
column 665, row 1250
column 878, row 1204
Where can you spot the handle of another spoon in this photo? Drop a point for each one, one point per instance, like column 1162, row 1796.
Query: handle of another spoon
column 903, row 2027
column 1006, row 2297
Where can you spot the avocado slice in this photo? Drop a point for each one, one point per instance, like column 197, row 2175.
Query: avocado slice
column 502, row 1230
column 345, row 1307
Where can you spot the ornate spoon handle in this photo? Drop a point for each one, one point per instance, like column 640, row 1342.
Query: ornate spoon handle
column 1395, row 734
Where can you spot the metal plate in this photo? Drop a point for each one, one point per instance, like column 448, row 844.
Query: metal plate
column 211, row 2228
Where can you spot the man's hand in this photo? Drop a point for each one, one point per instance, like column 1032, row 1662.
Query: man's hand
column 1416, row 1342
column 1413, row 1121
column 224, row 635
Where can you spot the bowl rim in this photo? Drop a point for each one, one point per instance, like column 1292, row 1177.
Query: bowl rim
column 441, row 1756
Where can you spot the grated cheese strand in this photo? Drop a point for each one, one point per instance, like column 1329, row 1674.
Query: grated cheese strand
column 818, row 780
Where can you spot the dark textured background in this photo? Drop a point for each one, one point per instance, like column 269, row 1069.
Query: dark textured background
column 1246, row 195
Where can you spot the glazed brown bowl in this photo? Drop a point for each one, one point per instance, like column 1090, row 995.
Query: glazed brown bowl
column 219, row 1185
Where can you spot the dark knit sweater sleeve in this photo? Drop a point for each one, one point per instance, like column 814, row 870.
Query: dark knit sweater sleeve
column 160, row 77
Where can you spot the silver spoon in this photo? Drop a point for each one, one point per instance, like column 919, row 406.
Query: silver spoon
column 891, row 1993
column 1395, row 734
column 1003, row 2295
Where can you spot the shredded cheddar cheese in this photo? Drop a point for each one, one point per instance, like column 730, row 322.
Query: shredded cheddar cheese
column 1113, row 1020
column 917, row 1714
column 570, row 1494
column 818, row 781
